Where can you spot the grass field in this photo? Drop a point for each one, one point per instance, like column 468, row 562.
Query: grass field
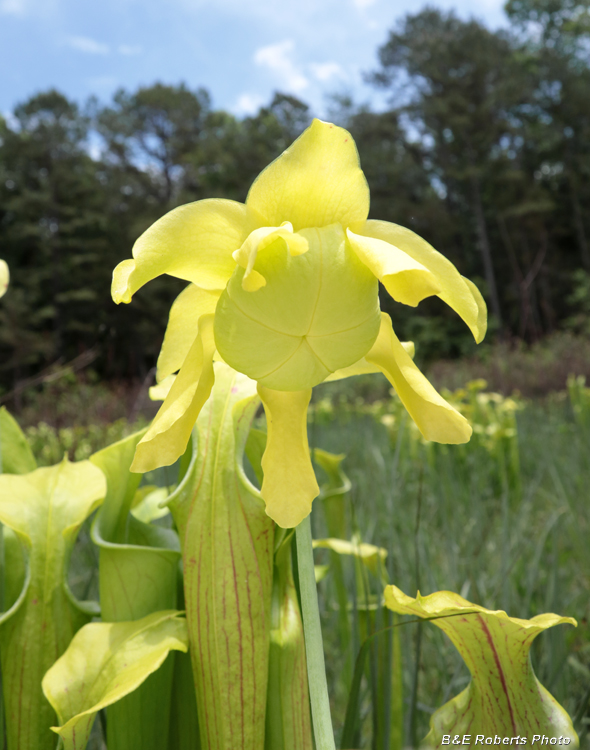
column 504, row 520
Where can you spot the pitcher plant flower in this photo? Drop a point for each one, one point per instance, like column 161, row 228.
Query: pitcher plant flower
column 284, row 289
column 4, row 277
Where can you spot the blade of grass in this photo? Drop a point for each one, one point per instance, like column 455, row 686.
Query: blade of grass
column 316, row 669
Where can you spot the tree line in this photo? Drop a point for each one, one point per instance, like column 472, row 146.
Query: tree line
column 484, row 150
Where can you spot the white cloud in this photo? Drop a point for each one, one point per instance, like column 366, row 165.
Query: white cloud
column 278, row 59
column 326, row 71
column 13, row 7
column 102, row 84
column 88, row 45
column 247, row 104
column 37, row 9
column 129, row 49
column 362, row 4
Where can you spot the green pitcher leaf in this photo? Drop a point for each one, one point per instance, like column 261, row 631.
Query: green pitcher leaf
column 138, row 571
column 254, row 450
column 105, row 662
column 184, row 723
column 504, row 697
column 227, row 548
column 114, row 462
column 44, row 511
column 333, row 491
column 16, row 456
column 288, row 721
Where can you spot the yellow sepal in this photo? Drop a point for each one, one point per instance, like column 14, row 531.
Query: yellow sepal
column 435, row 418
column 317, row 181
column 193, row 242
column 289, row 485
column 188, row 307
column 168, row 436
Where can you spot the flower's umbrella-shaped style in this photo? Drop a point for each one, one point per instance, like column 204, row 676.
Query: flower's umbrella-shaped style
column 285, row 290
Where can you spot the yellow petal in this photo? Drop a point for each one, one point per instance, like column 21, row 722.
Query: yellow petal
column 482, row 310
column 373, row 557
column 406, row 280
column 188, row 307
column 289, row 485
column 317, row 181
column 193, row 242
column 4, row 277
column 362, row 367
column 167, row 438
column 457, row 292
column 435, row 419
column 161, row 390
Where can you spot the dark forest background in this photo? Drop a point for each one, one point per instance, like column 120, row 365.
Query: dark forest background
column 484, row 151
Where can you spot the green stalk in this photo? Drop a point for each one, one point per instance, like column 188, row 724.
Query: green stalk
column 314, row 649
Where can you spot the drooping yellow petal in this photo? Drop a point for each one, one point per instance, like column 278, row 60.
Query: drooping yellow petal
column 435, row 418
column 457, row 292
column 406, row 280
column 4, row 277
column 289, row 485
column 193, row 242
column 167, row 438
column 362, row 367
column 482, row 310
column 317, row 181
column 188, row 307
column 373, row 557
column 504, row 698
column 161, row 390
column 317, row 312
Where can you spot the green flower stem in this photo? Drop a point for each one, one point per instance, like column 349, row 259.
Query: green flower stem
column 314, row 649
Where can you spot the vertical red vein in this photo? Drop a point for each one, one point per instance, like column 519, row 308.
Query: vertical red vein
column 500, row 670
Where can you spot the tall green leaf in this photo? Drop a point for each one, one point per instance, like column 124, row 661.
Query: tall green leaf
column 288, row 720
column 138, row 570
column 44, row 510
column 16, row 457
column 227, row 548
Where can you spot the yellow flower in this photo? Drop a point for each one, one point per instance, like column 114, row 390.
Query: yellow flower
column 285, row 290
column 4, row 277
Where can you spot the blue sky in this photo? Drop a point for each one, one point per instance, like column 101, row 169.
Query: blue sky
column 240, row 51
